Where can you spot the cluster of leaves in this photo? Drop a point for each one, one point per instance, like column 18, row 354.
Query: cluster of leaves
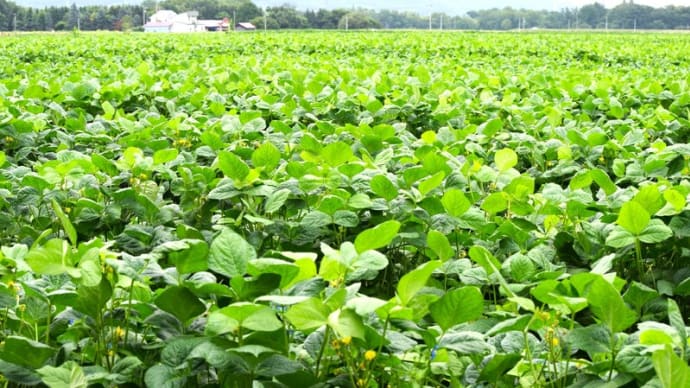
column 300, row 209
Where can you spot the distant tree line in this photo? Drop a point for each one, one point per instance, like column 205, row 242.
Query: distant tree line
column 626, row 15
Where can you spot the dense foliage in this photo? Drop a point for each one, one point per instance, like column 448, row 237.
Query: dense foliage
column 626, row 15
column 403, row 209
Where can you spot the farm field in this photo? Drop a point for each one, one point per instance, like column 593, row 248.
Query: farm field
column 380, row 209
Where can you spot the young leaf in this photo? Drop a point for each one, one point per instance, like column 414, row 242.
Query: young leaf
column 164, row 155
column 413, row 281
column 485, row 259
column 229, row 254
column 438, row 242
column 180, row 302
column 633, row 217
column 232, row 166
column 377, row 237
column 671, row 369
column 266, row 156
column 66, row 223
column 457, row 306
column 505, row 159
column 608, row 306
column 655, row 232
column 308, row 315
column 276, row 200
column 383, row 187
column 455, row 202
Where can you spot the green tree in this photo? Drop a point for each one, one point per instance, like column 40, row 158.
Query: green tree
column 358, row 20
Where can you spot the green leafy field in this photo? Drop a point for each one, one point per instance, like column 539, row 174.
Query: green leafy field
column 345, row 209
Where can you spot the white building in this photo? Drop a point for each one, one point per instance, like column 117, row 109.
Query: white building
column 169, row 21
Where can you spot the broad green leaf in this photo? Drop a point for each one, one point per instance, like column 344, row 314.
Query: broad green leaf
column 286, row 270
column 336, row 153
column 377, row 237
column 438, row 242
column 164, row 155
column 465, row 343
column 230, row 253
column 232, row 166
column 521, row 268
column 308, row 315
column 455, row 202
column 608, row 306
column 604, row 181
column 276, row 200
column 415, row 280
column 638, row 294
column 498, row 366
column 164, row 376
column 620, row 238
column 23, row 351
column 383, row 187
column 108, row 110
column 266, row 156
column 346, row 218
column 180, row 302
column 3, row 158
column 346, row 323
column 251, row 316
column 457, row 306
column 633, row 359
column 55, row 257
column 495, row 203
column 581, row 180
column 427, row 185
column 672, row 196
column 69, row 375
column 671, row 369
column 485, row 259
column 633, row 217
column 92, row 300
column 192, row 257
column 655, row 232
column 505, row 159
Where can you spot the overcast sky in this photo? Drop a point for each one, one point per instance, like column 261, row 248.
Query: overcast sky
column 453, row 7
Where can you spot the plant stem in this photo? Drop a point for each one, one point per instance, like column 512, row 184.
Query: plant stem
column 321, row 351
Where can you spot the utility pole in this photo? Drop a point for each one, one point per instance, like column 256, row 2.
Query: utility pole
column 606, row 24
column 15, row 23
column 143, row 15
column 440, row 27
column 234, row 21
column 347, row 26
column 78, row 19
column 265, row 19
column 635, row 24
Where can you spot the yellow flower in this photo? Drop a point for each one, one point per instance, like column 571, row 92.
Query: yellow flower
column 369, row 355
column 555, row 342
column 361, row 382
column 346, row 340
column 118, row 332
